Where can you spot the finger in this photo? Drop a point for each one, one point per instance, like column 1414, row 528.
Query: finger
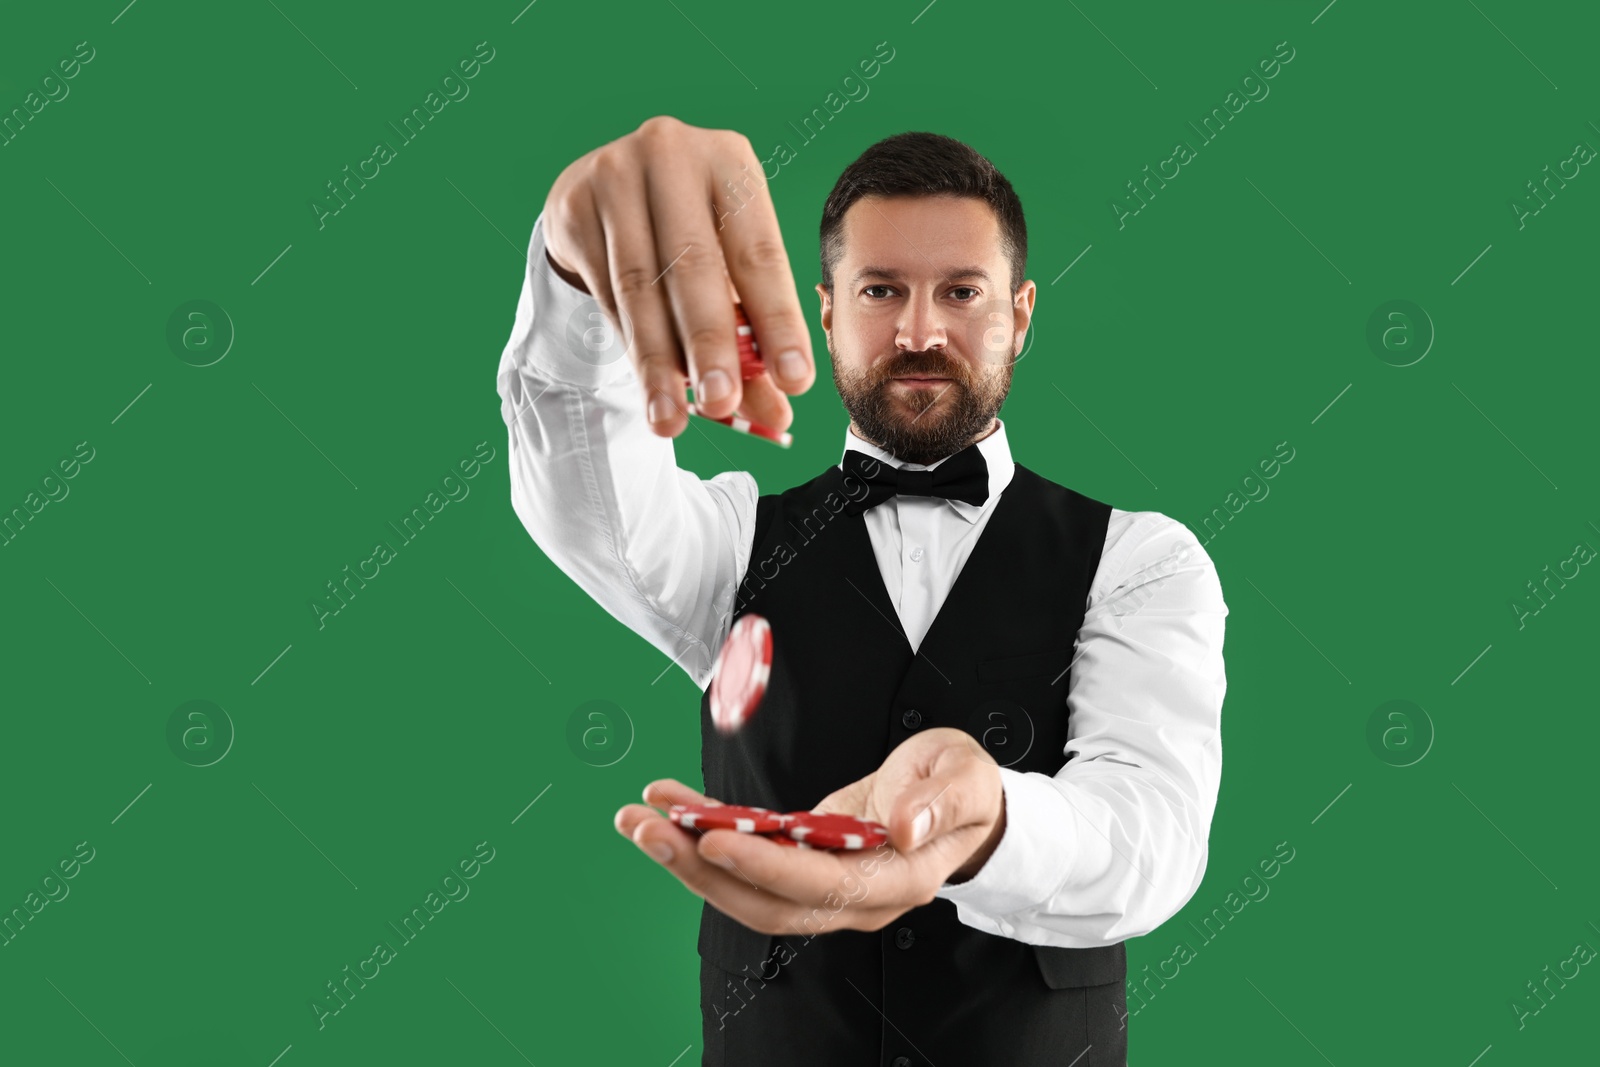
column 622, row 204
column 851, row 886
column 694, row 276
column 634, row 820
column 665, row 792
column 730, row 892
column 765, row 403
column 844, row 899
column 762, row 401
column 752, row 245
column 955, row 798
column 805, row 875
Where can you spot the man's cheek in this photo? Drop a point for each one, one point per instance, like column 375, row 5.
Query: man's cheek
column 995, row 335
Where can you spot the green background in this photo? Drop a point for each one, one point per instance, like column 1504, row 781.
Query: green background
column 375, row 752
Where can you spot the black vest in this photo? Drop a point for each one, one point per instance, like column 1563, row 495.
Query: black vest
column 846, row 688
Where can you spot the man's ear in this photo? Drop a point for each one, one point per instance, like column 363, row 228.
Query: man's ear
column 1022, row 314
column 827, row 308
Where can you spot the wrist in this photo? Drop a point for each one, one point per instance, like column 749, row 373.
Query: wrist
column 565, row 275
column 969, row 870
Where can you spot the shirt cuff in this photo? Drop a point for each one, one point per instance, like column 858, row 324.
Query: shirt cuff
column 1046, row 840
column 560, row 332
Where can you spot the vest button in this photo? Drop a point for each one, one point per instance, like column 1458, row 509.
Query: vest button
column 904, row 937
column 902, row 1061
column 911, row 718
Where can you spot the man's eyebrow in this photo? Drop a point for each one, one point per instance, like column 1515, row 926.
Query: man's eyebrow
column 894, row 275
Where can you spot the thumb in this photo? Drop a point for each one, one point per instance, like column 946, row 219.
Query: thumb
column 850, row 800
column 931, row 807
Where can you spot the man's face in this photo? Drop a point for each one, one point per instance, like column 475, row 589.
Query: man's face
column 922, row 325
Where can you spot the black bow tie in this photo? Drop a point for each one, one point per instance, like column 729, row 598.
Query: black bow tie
column 964, row 476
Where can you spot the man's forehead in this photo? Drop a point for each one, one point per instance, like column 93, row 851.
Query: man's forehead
column 927, row 235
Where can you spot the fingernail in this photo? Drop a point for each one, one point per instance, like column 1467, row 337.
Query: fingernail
column 920, row 828
column 660, row 408
column 713, row 387
column 791, row 364
column 662, row 853
column 721, row 859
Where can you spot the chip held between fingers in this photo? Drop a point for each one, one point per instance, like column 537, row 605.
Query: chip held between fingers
column 716, row 385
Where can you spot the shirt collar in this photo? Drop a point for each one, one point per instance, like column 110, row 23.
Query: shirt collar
column 996, row 456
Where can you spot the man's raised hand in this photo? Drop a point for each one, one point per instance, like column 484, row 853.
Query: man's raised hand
column 646, row 225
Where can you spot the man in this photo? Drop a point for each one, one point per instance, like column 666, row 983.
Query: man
column 1022, row 683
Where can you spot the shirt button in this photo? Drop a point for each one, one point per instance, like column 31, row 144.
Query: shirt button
column 902, row 1061
column 916, row 554
column 911, row 718
column 904, row 937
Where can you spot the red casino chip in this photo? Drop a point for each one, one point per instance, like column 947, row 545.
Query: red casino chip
column 755, row 429
column 836, row 831
column 746, row 820
column 787, row 842
column 739, row 677
column 750, row 365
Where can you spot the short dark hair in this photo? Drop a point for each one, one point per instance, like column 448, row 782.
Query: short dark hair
column 924, row 164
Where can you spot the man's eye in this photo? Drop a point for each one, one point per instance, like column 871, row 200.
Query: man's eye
column 966, row 289
column 868, row 289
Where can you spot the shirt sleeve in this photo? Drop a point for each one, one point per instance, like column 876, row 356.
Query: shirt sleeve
column 1115, row 843
column 660, row 548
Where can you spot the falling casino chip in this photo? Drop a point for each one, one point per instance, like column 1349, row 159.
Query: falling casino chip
column 739, row 677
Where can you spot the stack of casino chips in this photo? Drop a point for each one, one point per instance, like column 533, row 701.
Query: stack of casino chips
column 797, row 829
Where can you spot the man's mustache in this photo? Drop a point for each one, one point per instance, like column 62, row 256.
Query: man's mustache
column 921, row 365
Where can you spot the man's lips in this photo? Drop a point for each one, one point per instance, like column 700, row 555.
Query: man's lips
column 920, row 385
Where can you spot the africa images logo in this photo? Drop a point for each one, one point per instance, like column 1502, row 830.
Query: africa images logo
column 343, row 589
column 412, row 124
column 342, row 989
column 1211, row 126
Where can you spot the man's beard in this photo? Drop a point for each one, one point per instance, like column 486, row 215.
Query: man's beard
column 902, row 421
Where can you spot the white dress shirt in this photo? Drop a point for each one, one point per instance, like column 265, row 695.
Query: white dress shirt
column 1106, row 849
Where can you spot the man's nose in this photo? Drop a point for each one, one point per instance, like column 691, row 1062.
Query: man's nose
column 923, row 325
